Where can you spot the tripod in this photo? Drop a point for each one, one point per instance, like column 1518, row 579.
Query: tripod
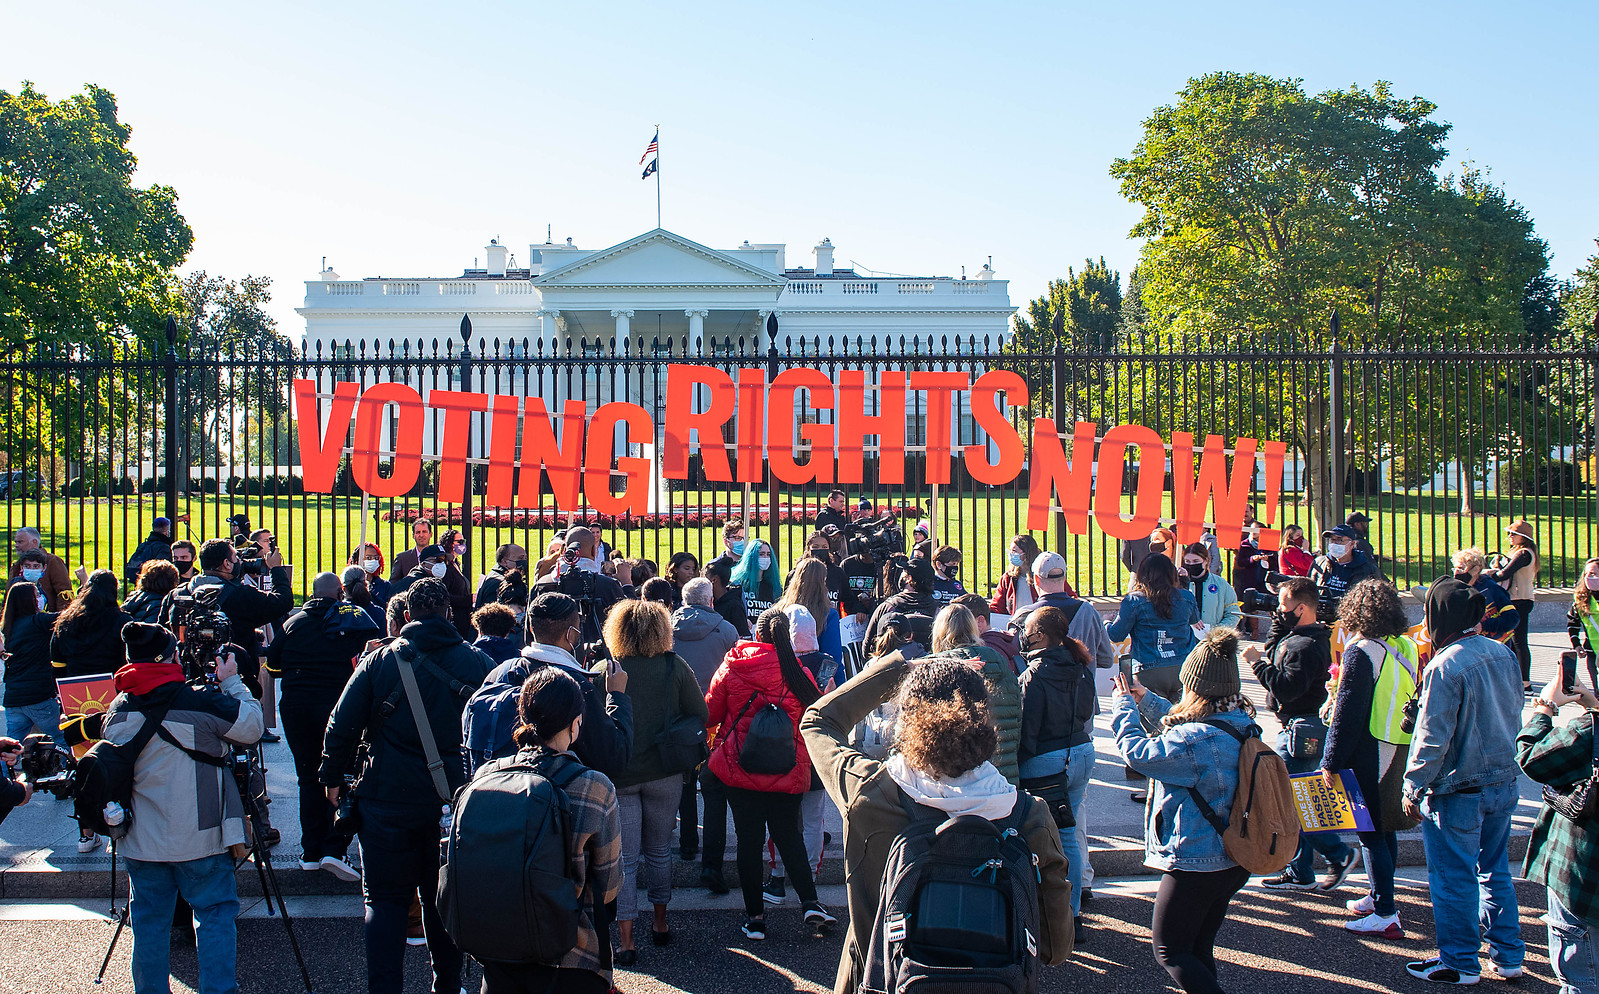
column 270, row 889
column 121, row 915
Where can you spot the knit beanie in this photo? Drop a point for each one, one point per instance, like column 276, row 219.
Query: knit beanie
column 146, row 643
column 1211, row 670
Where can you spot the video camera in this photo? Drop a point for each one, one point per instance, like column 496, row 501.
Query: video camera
column 1264, row 601
column 881, row 538
column 48, row 766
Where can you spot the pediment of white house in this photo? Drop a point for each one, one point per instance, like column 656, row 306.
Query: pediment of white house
column 659, row 260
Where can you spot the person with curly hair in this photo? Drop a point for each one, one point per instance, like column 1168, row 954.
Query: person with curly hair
column 1190, row 756
column 156, row 579
column 944, row 739
column 1378, row 676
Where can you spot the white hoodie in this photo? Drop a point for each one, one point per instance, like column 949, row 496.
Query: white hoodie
column 983, row 791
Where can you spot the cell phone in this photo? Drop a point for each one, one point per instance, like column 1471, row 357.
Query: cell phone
column 1568, row 671
column 1126, row 666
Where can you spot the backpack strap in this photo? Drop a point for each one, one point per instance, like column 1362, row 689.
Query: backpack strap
column 403, row 656
column 198, row 757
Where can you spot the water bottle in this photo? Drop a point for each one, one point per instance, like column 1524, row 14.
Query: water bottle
column 446, row 820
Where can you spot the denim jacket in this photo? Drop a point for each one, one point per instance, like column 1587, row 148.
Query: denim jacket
column 1157, row 641
column 1193, row 754
column 1465, row 736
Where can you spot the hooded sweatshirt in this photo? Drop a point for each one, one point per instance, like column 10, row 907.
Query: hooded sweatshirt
column 982, row 791
column 1058, row 698
column 1295, row 668
column 702, row 637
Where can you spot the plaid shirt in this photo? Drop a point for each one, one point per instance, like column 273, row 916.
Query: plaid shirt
column 595, row 848
column 1562, row 854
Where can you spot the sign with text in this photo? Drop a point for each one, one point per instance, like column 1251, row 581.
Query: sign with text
column 81, row 695
column 1338, row 808
column 576, row 450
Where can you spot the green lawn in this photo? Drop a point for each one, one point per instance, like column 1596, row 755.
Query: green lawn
column 1413, row 533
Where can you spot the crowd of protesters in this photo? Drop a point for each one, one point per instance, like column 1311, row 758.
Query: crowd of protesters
column 875, row 684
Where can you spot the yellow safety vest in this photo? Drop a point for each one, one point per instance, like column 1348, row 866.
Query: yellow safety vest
column 1396, row 684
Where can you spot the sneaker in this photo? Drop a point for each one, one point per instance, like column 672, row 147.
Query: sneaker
column 339, row 868
column 1503, row 972
column 1079, row 933
column 1287, row 881
column 712, row 881
column 1378, row 926
column 88, row 843
column 1361, row 905
column 1087, row 898
column 817, row 916
column 1434, row 971
column 270, row 736
column 773, row 892
column 307, row 863
column 754, row 928
column 1337, row 872
column 271, row 837
column 414, row 936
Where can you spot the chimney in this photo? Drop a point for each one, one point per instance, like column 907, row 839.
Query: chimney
column 987, row 272
column 496, row 257
column 327, row 274
column 824, row 257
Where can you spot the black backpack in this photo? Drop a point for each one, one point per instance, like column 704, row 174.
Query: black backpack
column 768, row 747
column 507, row 889
column 959, row 910
column 105, row 774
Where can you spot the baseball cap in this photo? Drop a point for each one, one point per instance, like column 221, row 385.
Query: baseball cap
column 1342, row 531
column 430, row 552
column 1049, row 566
column 242, row 520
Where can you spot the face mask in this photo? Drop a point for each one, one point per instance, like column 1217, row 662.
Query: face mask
column 184, row 567
column 33, row 575
column 1287, row 617
column 1337, row 551
column 460, row 548
column 1194, row 570
column 371, row 565
column 1464, row 578
column 1015, row 558
column 1591, row 582
column 949, row 569
column 521, row 564
column 439, row 569
column 819, row 554
column 764, row 562
column 738, row 547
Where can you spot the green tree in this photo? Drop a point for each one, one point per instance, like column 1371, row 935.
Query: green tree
column 1267, row 210
column 86, row 258
column 1083, row 312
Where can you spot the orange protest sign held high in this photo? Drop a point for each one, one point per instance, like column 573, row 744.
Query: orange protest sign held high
column 709, row 410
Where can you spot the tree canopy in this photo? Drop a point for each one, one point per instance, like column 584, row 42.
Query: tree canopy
column 86, row 258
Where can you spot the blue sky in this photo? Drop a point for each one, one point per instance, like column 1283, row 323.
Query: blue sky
column 396, row 139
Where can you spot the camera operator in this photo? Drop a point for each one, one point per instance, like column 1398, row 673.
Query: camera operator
column 1294, row 669
column 13, row 793
column 915, row 600
column 727, row 597
column 246, row 608
column 1344, row 565
column 398, row 797
column 313, row 660
column 186, row 811
column 578, row 575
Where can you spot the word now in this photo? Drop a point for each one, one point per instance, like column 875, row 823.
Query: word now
column 1089, row 482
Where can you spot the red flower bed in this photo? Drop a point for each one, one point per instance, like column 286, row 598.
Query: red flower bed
column 705, row 516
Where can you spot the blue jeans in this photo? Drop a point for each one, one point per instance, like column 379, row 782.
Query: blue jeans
column 1468, row 872
column 44, row 716
column 1078, row 764
column 1333, row 848
column 1571, row 949
column 208, row 885
column 399, row 856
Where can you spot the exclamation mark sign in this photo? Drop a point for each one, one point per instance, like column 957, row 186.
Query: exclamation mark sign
column 1270, row 535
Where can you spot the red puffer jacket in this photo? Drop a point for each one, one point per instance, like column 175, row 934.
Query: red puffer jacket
column 750, row 669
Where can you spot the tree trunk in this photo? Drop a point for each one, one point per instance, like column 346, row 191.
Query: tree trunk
column 1468, row 486
column 1318, row 459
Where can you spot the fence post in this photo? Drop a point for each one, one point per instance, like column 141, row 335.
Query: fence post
column 772, row 521
column 1058, row 382
column 171, row 426
column 1335, row 416
column 466, row 488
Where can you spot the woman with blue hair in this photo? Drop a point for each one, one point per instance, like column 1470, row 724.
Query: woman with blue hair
column 757, row 574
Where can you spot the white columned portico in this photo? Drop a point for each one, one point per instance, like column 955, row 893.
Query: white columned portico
column 696, row 328
column 624, row 324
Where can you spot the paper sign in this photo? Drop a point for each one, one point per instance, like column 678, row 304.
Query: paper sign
column 86, row 695
column 1336, row 809
column 850, row 631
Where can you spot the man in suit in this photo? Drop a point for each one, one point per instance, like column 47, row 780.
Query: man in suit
column 405, row 562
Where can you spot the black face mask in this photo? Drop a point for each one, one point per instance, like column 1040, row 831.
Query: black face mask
column 1195, row 572
column 1464, row 578
column 821, row 554
column 1289, row 618
column 520, row 564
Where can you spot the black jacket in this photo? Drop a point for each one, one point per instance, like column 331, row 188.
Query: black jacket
column 606, row 742
column 918, row 607
column 157, row 546
column 606, row 592
column 1058, row 698
column 731, row 606
column 143, row 606
column 1295, row 667
column 1340, row 578
column 247, row 609
column 316, row 651
column 96, row 647
column 29, row 676
column 397, row 771
column 827, row 516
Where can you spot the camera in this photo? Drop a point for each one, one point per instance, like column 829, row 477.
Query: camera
column 879, row 539
column 249, row 567
column 1264, row 601
column 48, row 766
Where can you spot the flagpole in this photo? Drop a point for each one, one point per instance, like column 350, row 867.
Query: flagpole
column 657, row 176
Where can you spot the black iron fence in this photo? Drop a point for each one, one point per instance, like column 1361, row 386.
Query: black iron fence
column 1442, row 445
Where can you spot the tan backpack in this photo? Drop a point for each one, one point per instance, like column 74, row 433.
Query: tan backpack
column 1262, row 832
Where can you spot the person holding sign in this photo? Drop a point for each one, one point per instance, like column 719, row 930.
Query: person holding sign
column 1366, row 736
column 1462, row 782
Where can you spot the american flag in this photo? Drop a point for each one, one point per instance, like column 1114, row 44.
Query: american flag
column 654, row 147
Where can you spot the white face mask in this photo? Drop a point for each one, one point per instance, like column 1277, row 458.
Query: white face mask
column 764, row 562
column 1591, row 582
column 1337, row 551
column 439, row 570
column 371, row 565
